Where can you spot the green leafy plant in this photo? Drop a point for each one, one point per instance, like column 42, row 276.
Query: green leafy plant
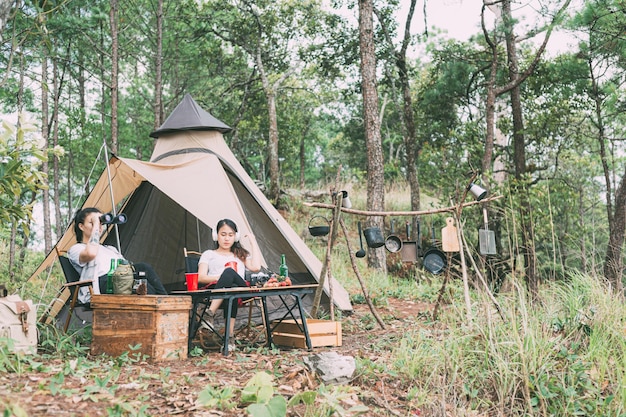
column 259, row 390
column 217, row 398
column 123, row 409
column 51, row 340
column 332, row 397
column 12, row 410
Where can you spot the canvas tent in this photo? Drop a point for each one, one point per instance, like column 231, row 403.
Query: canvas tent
column 191, row 182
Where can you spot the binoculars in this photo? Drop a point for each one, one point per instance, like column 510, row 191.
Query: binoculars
column 109, row 218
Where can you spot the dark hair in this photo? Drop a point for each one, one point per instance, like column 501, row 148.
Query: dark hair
column 238, row 250
column 80, row 219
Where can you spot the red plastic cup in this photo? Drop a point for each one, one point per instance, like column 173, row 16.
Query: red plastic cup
column 192, row 281
column 231, row 264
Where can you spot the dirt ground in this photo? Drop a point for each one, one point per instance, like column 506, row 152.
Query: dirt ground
column 171, row 388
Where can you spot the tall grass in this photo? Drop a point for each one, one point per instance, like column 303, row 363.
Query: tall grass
column 562, row 356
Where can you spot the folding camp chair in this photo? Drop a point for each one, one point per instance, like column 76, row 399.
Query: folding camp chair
column 73, row 284
column 191, row 265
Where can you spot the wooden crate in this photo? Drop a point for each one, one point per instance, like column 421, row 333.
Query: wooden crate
column 321, row 332
column 160, row 323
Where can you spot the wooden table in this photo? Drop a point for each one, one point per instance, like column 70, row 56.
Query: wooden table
column 290, row 296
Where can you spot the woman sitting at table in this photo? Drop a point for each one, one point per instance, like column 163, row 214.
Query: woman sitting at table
column 225, row 266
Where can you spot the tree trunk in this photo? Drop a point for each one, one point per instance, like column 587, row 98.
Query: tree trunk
column 20, row 108
column 56, row 85
column 273, row 148
column 45, row 169
column 581, row 226
column 302, row 153
column 490, row 116
column 5, row 12
column 373, row 142
column 615, row 213
column 114, row 75
column 302, row 156
column 519, row 156
column 270, row 96
column 411, row 143
column 158, row 68
column 613, row 261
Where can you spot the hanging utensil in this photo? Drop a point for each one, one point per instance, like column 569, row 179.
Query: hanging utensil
column 393, row 243
column 449, row 237
column 361, row 252
column 408, row 252
column 486, row 237
column 434, row 259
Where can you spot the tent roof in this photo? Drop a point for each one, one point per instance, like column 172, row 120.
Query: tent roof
column 188, row 115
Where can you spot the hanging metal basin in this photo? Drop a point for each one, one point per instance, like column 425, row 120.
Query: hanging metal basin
column 319, row 230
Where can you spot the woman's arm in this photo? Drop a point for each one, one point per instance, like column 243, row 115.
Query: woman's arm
column 203, row 276
column 92, row 246
column 253, row 262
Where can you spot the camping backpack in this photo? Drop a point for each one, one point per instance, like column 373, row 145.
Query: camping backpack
column 17, row 322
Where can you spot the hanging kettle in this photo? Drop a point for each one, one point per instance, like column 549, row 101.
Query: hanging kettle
column 319, row 230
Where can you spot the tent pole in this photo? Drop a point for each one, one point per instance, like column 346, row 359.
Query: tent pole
column 117, row 233
column 198, row 234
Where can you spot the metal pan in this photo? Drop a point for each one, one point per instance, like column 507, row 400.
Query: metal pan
column 409, row 250
column 486, row 237
column 393, row 243
column 434, row 260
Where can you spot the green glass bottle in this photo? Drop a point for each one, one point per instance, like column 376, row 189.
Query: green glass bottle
column 109, row 288
column 282, row 269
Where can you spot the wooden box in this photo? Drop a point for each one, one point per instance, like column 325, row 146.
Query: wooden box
column 321, row 332
column 160, row 323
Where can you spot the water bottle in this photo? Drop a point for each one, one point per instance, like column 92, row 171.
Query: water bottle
column 109, row 288
column 282, row 269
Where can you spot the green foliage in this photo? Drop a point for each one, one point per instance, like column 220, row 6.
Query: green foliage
column 331, row 399
column 12, row 410
column 20, row 156
column 72, row 345
column 260, row 392
column 559, row 357
column 214, row 398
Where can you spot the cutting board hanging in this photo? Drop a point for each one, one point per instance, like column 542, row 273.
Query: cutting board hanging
column 449, row 237
column 486, row 237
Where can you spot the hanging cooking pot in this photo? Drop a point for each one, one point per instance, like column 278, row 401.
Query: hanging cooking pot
column 320, row 230
column 373, row 237
column 393, row 243
column 434, row 260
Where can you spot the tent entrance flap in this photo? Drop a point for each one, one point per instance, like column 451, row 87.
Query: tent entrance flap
column 156, row 231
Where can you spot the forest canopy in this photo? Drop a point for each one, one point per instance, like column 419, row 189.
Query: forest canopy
column 543, row 130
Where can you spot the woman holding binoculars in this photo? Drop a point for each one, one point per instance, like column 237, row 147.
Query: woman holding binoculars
column 92, row 260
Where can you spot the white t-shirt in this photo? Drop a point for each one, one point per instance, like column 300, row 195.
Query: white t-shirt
column 98, row 266
column 217, row 262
